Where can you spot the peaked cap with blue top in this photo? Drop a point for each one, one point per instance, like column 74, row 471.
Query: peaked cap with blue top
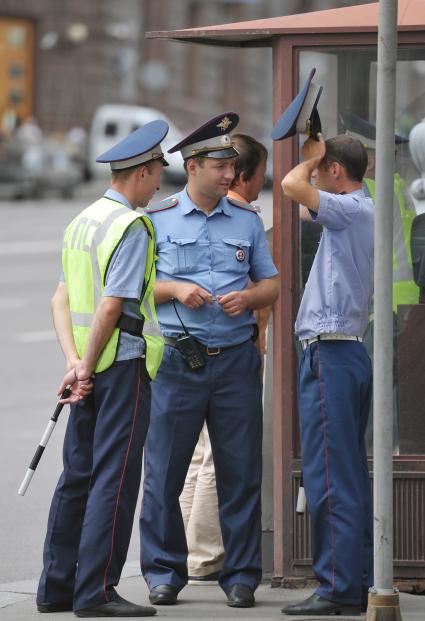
column 357, row 127
column 211, row 139
column 141, row 146
column 301, row 116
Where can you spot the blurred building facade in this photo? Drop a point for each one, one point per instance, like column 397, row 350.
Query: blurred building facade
column 60, row 60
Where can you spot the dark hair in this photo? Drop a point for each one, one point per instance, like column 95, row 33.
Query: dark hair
column 251, row 154
column 349, row 152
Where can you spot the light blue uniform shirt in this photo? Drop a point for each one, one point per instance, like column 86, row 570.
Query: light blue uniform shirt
column 125, row 277
column 340, row 283
column 196, row 248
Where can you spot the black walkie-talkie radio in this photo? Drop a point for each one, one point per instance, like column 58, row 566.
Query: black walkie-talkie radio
column 190, row 351
column 188, row 347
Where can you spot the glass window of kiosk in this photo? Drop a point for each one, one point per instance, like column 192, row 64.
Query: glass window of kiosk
column 349, row 78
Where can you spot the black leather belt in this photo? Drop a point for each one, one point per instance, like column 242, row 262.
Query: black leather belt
column 209, row 351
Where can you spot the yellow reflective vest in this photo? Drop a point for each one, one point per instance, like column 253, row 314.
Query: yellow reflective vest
column 405, row 290
column 89, row 243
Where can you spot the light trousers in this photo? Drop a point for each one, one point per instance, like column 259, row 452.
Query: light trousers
column 199, row 506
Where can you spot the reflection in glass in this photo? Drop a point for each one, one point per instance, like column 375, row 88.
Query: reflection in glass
column 349, row 81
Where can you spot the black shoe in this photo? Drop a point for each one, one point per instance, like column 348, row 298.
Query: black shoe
column 240, row 596
column 54, row 607
column 316, row 605
column 117, row 608
column 164, row 595
column 204, row 580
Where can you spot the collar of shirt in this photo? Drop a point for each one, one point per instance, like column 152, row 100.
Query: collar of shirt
column 360, row 191
column 117, row 196
column 187, row 205
column 237, row 197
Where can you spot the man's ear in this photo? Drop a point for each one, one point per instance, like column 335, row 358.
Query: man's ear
column 370, row 162
column 336, row 169
column 191, row 165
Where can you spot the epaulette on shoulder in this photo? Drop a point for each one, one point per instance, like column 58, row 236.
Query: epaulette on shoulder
column 167, row 203
column 246, row 206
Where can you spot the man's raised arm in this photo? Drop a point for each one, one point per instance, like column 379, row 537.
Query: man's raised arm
column 297, row 183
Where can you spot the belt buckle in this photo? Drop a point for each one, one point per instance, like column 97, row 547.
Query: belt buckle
column 213, row 351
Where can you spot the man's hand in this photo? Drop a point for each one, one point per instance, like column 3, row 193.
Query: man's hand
column 191, row 295
column 81, row 385
column 233, row 303
column 314, row 149
column 296, row 185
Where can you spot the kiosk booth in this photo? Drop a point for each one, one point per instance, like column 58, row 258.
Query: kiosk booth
column 342, row 45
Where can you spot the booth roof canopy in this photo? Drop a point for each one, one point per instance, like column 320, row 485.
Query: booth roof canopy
column 259, row 32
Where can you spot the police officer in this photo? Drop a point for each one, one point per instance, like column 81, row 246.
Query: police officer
column 208, row 248
column 107, row 295
column 198, row 500
column 335, row 372
column 405, row 290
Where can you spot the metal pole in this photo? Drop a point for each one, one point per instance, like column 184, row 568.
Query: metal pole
column 383, row 593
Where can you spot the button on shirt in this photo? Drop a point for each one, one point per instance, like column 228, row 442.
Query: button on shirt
column 340, row 283
column 125, row 278
column 219, row 252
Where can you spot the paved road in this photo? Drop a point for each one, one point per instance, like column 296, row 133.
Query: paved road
column 32, row 365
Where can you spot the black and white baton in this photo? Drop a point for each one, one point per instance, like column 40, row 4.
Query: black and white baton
column 43, row 442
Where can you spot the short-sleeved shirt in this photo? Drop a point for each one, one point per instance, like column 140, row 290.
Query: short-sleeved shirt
column 125, row 278
column 340, row 284
column 219, row 252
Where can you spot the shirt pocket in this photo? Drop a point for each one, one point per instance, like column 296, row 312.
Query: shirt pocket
column 236, row 254
column 178, row 255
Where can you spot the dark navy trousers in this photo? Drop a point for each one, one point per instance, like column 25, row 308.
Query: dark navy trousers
column 91, row 514
column 335, row 390
column 227, row 393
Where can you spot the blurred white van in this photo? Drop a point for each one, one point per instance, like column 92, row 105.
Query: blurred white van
column 113, row 122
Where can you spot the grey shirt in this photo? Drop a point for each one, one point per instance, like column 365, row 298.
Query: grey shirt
column 340, row 283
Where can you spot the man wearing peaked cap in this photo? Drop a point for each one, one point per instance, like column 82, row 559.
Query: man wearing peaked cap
column 112, row 352
column 335, row 375
column 405, row 290
column 301, row 116
column 211, row 139
column 198, row 500
column 209, row 246
column 365, row 131
column 140, row 147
